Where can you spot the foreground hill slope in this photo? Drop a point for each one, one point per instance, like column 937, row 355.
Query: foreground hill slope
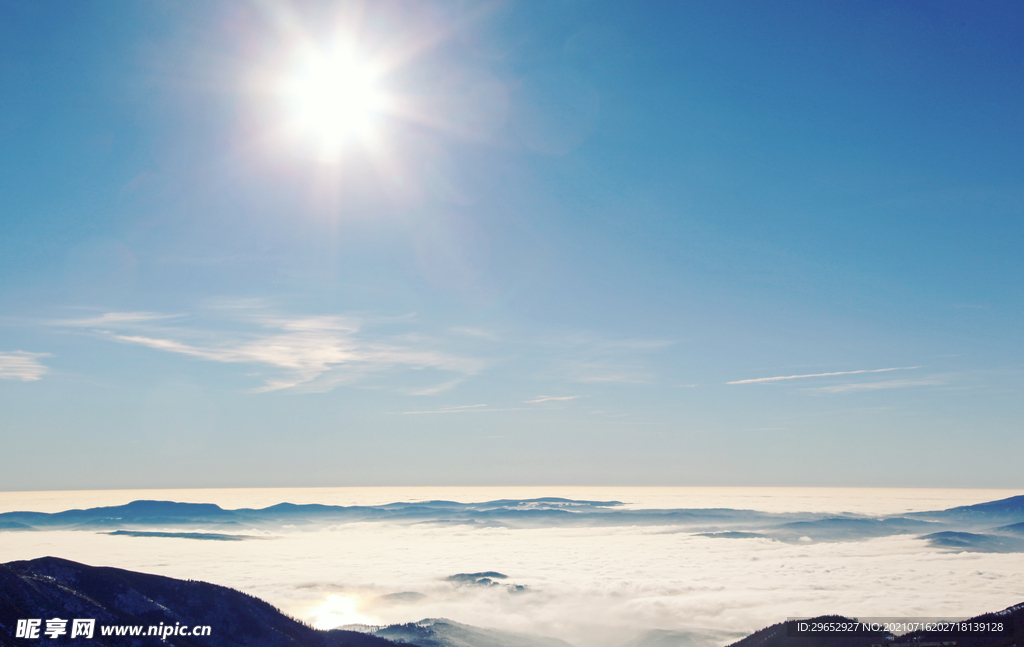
column 51, row 587
column 781, row 635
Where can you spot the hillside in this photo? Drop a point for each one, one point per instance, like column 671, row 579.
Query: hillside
column 51, row 587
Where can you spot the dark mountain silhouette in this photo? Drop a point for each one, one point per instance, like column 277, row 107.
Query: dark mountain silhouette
column 1013, row 529
column 784, row 634
column 848, row 528
column 778, row 635
column 136, row 513
column 439, row 632
column 975, row 543
column 538, row 512
column 51, row 587
column 668, row 638
column 167, row 513
column 208, row 536
column 14, row 525
column 476, row 579
column 1004, row 511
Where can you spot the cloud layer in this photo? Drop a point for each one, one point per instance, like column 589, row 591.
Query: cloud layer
column 590, row 586
column 319, row 353
column 762, row 380
column 876, row 386
column 316, row 353
column 20, row 365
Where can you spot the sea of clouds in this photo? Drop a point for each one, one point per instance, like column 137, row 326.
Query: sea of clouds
column 602, row 586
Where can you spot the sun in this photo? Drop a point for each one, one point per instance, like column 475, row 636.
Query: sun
column 338, row 610
column 333, row 99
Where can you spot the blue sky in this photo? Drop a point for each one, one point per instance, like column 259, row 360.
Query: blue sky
column 566, row 244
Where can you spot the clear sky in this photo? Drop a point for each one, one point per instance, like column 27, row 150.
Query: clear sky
column 675, row 243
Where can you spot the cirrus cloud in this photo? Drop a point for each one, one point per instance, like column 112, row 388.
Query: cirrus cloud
column 763, row 380
column 22, row 365
column 315, row 353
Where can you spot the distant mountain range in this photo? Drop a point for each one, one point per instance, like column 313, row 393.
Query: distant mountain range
column 995, row 526
column 439, row 632
column 51, row 587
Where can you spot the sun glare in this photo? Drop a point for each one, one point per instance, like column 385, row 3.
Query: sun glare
column 333, row 100
column 338, row 610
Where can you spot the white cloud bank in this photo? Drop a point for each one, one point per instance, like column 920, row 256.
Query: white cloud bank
column 596, row 587
column 21, row 365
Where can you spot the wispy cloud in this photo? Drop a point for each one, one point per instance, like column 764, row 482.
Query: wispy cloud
column 875, row 386
column 466, row 408
column 475, row 332
column 438, row 388
column 593, row 374
column 761, row 380
column 591, row 359
column 21, row 365
column 116, row 319
column 549, row 398
column 316, row 353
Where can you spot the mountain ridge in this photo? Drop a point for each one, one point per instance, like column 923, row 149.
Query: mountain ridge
column 996, row 526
